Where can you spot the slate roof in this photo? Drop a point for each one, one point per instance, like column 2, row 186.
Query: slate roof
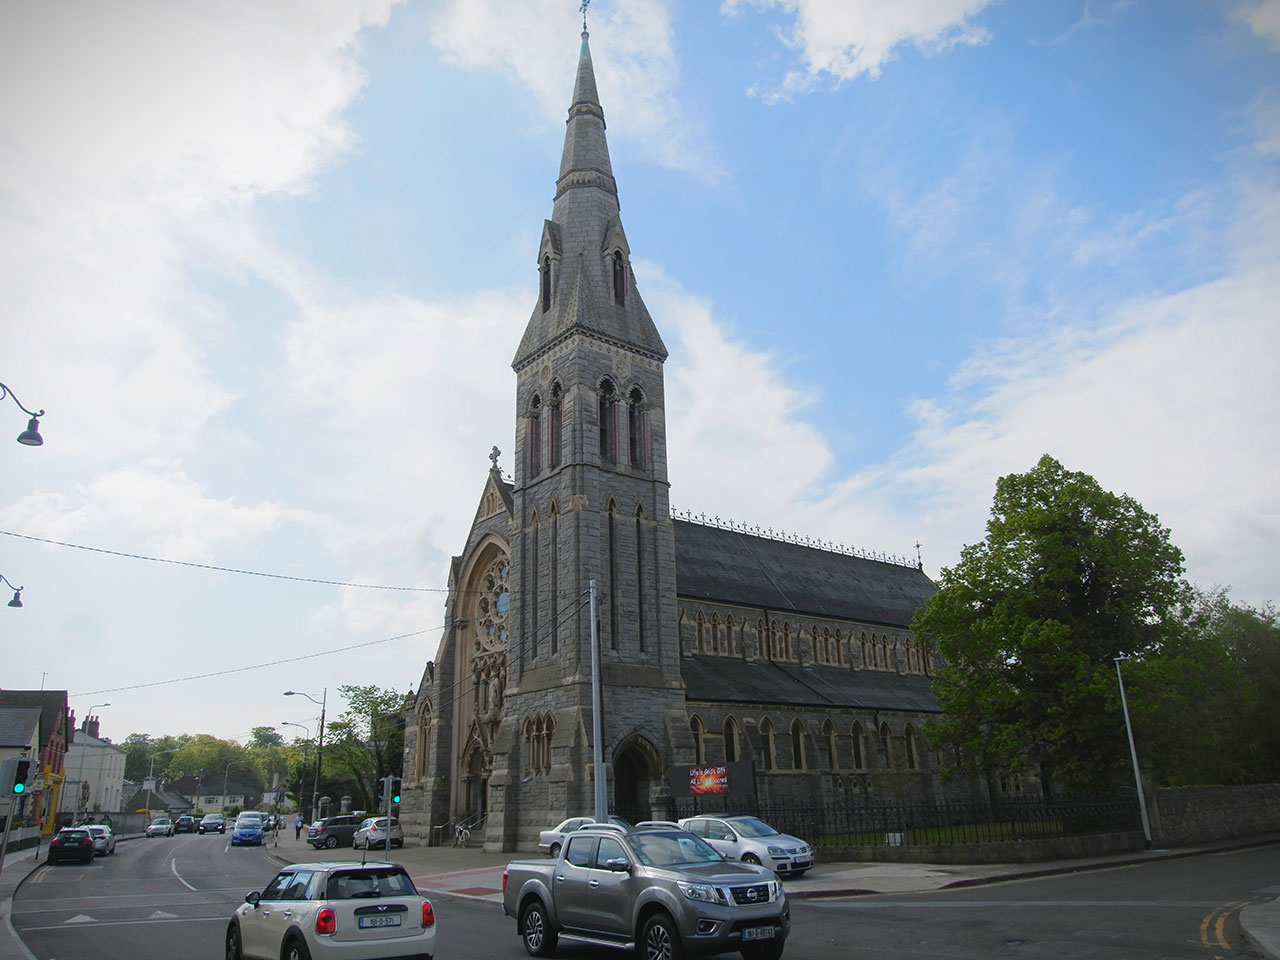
column 729, row 680
column 17, row 724
column 52, row 705
column 738, row 568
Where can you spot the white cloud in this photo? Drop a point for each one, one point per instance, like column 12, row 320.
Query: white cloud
column 635, row 65
column 1263, row 18
column 843, row 39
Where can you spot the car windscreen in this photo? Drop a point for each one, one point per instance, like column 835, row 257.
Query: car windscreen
column 369, row 882
column 671, row 849
column 73, row 834
column 751, row 827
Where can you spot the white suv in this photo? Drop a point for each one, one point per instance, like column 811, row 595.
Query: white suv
column 753, row 841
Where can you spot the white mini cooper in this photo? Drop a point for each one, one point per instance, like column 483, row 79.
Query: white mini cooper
column 342, row 910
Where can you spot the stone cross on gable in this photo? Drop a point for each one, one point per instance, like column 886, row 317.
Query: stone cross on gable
column 494, row 454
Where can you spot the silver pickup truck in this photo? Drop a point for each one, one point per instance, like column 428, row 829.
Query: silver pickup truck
column 660, row 888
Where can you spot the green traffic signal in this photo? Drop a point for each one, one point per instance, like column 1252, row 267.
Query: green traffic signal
column 19, row 788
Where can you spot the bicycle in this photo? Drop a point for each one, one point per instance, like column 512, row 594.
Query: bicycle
column 461, row 836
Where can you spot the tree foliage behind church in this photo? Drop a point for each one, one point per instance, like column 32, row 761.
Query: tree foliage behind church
column 1069, row 577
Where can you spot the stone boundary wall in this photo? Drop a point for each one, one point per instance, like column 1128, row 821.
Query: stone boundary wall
column 1008, row 851
column 1182, row 816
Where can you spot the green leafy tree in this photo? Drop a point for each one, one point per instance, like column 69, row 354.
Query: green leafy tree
column 1028, row 623
column 367, row 741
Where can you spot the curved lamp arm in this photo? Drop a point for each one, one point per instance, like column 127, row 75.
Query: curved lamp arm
column 17, row 592
column 30, row 436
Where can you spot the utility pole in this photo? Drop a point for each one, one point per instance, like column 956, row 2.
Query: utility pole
column 597, row 714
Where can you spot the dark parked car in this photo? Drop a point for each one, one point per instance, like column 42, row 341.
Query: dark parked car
column 211, row 822
column 184, row 824
column 71, row 843
column 334, row 831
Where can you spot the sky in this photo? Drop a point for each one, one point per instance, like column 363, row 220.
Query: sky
column 266, row 267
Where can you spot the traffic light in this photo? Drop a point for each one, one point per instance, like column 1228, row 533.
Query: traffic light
column 395, row 789
column 14, row 775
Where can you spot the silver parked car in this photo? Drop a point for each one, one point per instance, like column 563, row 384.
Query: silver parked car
column 337, row 910
column 550, row 841
column 372, row 834
column 753, row 841
column 104, row 839
column 160, row 827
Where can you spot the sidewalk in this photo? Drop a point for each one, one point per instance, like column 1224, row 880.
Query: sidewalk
column 477, row 875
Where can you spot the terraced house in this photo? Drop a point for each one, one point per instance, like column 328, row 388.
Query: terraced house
column 789, row 664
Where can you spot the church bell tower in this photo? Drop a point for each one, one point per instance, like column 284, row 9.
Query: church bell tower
column 590, row 503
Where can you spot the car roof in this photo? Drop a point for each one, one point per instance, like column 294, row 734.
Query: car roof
column 329, row 866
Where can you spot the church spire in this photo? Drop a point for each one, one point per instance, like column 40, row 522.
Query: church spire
column 584, row 249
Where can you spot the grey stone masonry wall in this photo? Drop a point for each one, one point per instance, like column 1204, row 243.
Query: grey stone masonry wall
column 1189, row 815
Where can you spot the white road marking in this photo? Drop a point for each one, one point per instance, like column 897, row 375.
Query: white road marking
column 81, row 918
column 173, row 865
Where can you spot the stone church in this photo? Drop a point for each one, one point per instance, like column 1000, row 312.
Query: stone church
column 787, row 666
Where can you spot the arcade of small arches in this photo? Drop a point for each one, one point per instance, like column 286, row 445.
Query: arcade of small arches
column 800, row 746
column 784, row 641
column 622, row 423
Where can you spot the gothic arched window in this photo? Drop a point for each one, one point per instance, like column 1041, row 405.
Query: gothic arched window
column 886, row 746
column 636, row 428
column 797, row 745
column 913, row 756
column 556, row 426
column 546, row 284
column 619, row 278
column 535, row 436
column 605, row 415
column 829, row 741
column 699, row 744
column 859, row 746
column 730, row 740
column 769, row 758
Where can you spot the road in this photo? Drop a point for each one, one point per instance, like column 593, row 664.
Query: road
column 167, row 898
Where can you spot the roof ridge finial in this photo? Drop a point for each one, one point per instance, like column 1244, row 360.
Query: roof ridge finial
column 583, row 10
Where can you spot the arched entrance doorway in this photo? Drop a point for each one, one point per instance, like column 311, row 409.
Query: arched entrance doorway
column 475, row 785
column 637, row 769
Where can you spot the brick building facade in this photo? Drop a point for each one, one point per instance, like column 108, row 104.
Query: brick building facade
column 717, row 644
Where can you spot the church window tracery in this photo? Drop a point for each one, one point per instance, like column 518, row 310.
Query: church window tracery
column 730, row 740
column 535, row 436
column 492, row 608
column 637, row 442
column 619, row 279
column 797, row 745
column 769, row 759
column 605, row 414
column 829, row 739
column 913, row 755
column 555, row 411
column 640, row 595
column 538, row 732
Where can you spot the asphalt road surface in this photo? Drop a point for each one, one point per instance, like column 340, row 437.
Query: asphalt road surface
column 171, row 898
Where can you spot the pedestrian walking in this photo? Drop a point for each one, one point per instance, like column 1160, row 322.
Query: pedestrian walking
column 297, row 827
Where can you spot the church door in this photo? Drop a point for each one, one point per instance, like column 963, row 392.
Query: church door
column 635, row 769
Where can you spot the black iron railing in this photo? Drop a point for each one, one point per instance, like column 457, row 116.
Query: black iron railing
column 907, row 824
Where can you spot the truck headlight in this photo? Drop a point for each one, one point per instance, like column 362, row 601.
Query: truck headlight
column 699, row 891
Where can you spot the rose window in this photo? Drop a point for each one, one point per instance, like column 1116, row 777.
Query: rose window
column 495, row 603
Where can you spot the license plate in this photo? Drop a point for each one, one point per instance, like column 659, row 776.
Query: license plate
column 800, row 865
column 757, row 933
column 389, row 921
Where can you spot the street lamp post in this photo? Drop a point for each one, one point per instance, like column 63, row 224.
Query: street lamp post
column 315, row 789
column 1133, row 753
column 30, row 436
column 290, row 723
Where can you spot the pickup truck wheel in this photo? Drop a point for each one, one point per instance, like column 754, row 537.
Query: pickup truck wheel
column 535, row 929
column 660, row 940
